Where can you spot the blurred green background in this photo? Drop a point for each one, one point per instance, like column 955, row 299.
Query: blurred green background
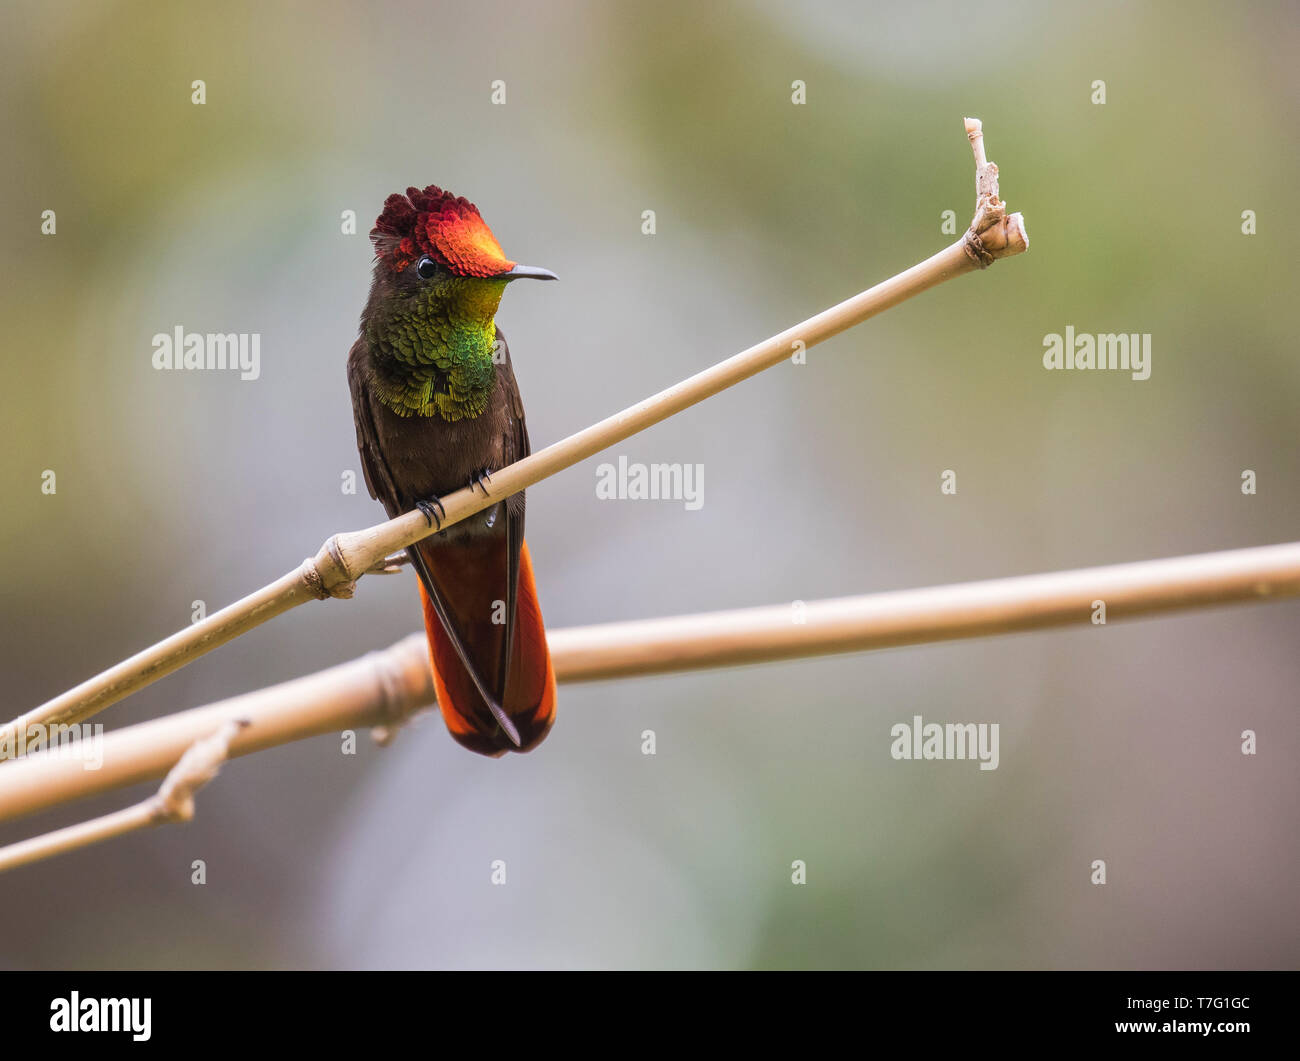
column 1118, row 743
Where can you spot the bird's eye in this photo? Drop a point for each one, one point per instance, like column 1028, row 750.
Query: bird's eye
column 427, row 268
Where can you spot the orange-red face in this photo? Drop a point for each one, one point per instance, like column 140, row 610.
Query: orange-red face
column 441, row 226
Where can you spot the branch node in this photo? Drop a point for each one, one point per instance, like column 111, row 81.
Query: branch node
column 993, row 233
column 397, row 703
column 174, row 802
column 327, row 574
column 974, row 248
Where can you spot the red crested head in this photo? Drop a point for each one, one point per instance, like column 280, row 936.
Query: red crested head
column 447, row 228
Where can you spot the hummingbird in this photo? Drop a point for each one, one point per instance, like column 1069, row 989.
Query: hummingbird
column 437, row 408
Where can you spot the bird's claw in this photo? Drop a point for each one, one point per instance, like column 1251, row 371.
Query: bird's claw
column 478, row 479
column 432, row 511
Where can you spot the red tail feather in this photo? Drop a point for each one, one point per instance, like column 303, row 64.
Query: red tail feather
column 530, row 691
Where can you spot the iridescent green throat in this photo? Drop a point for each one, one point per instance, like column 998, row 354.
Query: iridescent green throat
column 435, row 351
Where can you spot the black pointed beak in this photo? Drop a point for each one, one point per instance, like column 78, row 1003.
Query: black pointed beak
column 527, row 272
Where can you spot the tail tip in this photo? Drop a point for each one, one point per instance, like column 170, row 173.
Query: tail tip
column 507, row 726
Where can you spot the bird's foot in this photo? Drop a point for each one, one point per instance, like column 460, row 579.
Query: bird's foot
column 432, row 511
column 478, row 479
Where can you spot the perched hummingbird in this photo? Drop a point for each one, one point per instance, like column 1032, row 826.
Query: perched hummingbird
column 437, row 408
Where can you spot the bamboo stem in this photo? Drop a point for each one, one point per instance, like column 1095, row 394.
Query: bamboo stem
column 334, row 570
column 172, row 803
column 384, row 688
column 923, row 616
column 83, row 834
